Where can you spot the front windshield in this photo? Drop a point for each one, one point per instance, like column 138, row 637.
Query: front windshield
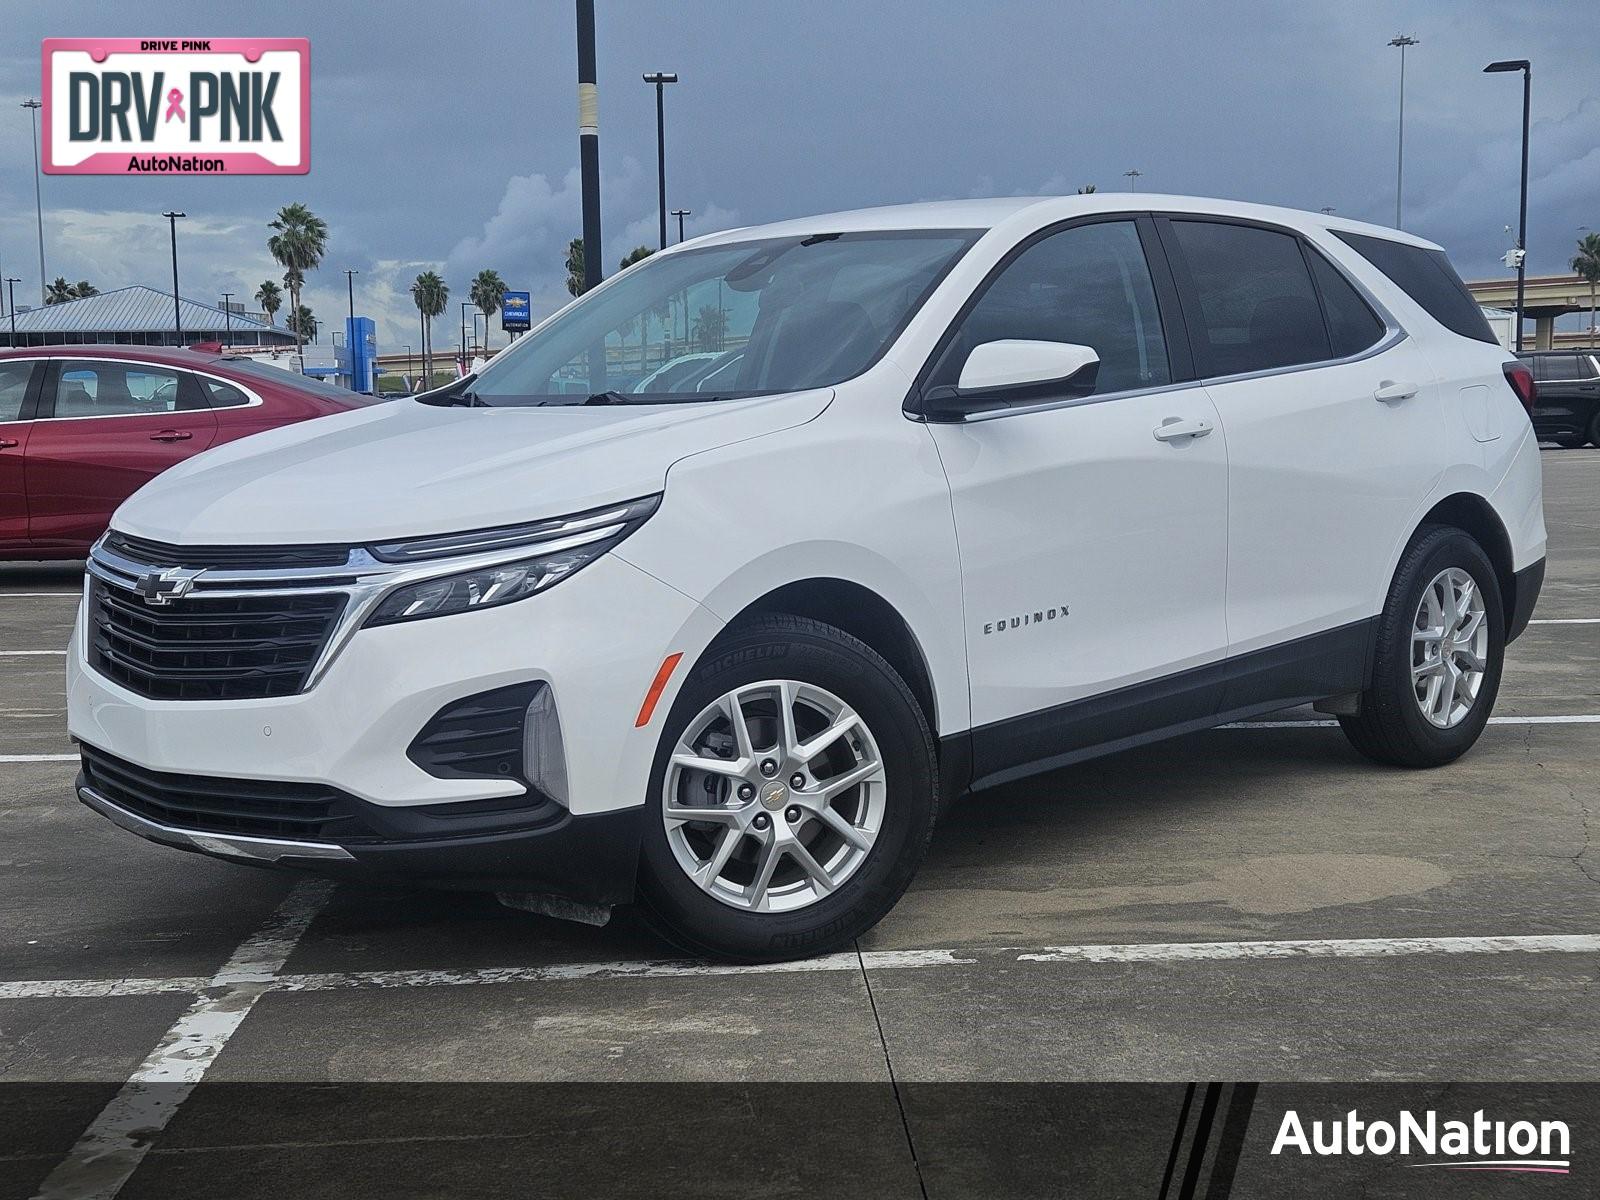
column 727, row 322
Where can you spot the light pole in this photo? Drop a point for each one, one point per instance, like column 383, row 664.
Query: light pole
column 680, row 213
column 177, row 317
column 11, row 286
column 661, row 79
column 411, row 377
column 1402, row 40
column 589, row 144
column 38, row 204
column 1133, row 179
column 1495, row 68
column 465, row 304
column 227, row 319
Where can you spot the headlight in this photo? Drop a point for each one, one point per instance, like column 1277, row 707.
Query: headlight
column 555, row 549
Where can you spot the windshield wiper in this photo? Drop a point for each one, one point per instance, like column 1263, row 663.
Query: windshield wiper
column 610, row 398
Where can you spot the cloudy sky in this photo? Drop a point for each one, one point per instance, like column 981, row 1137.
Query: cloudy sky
column 444, row 135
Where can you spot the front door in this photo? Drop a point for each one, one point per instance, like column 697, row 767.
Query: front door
column 105, row 428
column 1093, row 538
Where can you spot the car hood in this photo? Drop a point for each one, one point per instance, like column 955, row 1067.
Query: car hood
column 408, row 469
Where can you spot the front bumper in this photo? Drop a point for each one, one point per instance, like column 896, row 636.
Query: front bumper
column 595, row 641
column 590, row 859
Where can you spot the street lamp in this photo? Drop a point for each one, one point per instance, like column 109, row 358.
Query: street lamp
column 661, row 79
column 1402, row 40
column 680, row 213
column 11, row 287
column 1495, row 68
column 589, row 148
column 38, row 205
column 1133, row 179
column 227, row 319
column 177, row 317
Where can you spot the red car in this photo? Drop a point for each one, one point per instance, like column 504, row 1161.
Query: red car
column 83, row 427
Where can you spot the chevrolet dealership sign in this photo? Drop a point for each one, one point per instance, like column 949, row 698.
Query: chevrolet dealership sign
column 195, row 106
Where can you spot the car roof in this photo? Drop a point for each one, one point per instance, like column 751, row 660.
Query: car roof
column 176, row 356
column 987, row 214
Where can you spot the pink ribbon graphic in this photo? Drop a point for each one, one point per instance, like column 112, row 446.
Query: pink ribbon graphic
column 175, row 105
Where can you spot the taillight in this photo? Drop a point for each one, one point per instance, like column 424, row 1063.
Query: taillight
column 1521, row 380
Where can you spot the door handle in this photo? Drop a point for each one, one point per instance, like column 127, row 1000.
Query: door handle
column 171, row 435
column 8, row 443
column 1175, row 428
column 1389, row 391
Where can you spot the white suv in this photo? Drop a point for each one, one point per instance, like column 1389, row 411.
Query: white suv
column 945, row 495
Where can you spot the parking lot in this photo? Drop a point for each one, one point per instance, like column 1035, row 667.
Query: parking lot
column 1374, row 925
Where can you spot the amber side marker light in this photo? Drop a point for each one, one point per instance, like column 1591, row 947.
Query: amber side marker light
column 658, row 685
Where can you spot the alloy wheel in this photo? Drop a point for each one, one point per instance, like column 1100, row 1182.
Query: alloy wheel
column 1449, row 647
column 774, row 796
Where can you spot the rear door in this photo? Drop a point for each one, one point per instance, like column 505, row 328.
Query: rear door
column 1334, row 424
column 15, row 403
column 105, row 428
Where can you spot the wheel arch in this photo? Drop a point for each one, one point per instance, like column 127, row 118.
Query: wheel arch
column 1474, row 515
column 862, row 613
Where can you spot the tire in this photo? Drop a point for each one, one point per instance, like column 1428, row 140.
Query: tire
column 1594, row 429
column 828, row 666
column 1391, row 726
column 1569, row 441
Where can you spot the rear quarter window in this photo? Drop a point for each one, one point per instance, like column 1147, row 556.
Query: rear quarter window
column 1429, row 279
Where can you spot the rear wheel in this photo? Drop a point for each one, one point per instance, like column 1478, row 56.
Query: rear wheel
column 1570, row 441
column 1439, row 653
column 1594, row 429
column 792, row 797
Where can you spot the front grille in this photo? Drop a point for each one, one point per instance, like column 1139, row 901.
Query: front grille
column 241, row 558
column 304, row 812
column 209, row 647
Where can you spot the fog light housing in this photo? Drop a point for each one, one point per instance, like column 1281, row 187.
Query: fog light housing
column 544, row 753
column 510, row 733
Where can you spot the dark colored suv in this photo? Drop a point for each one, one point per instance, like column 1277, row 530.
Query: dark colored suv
column 1567, row 411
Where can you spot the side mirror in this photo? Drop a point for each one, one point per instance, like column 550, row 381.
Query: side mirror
column 996, row 373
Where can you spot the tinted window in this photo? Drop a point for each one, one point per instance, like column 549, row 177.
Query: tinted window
column 1429, row 279
column 222, row 395
column 1258, row 309
column 13, row 387
column 107, row 389
column 1089, row 285
column 1560, row 367
column 1587, row 367
column 1352, row 325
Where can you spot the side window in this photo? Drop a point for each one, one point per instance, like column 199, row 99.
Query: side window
column 1429, row 279
column 222, row 395
column 1560, row 368
column 1258, row 309
column 1352, row 325
column 87, row 388
column 1089, row 285
column 1588, row 367
column 13, row 388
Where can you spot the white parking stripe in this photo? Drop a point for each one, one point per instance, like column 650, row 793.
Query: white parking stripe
column 1578, row 943
column 37, row 595
column 111, row 1149
column 20, row 758
column 1567, row 621
column 1583, row 719
column 30, row 653
column 876, row 960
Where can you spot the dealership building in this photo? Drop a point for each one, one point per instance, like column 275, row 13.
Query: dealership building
column 137, row 316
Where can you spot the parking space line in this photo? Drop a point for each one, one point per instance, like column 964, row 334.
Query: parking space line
column 1566, row 621
column 76, row 595
column 30, row 653
column 1578, row 943
column 112, row 1148
column 22, row 758
column 99, row 989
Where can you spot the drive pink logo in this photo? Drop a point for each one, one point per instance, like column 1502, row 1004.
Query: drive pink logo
column 193, row 106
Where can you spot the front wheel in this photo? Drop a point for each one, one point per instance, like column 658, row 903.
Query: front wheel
column 792, row 798
column 1440, row 650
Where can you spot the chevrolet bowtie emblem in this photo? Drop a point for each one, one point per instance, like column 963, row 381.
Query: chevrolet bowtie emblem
column 163, row 587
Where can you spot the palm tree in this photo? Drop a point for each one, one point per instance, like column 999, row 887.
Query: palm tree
column 575, row 284
column 710, row 326
column 299, row 240
column 1587, row 264
column 302, row 323
column 59, row 292
column 488, row 290
column 431, row 295
column 270, row 297
column 1087, row 189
